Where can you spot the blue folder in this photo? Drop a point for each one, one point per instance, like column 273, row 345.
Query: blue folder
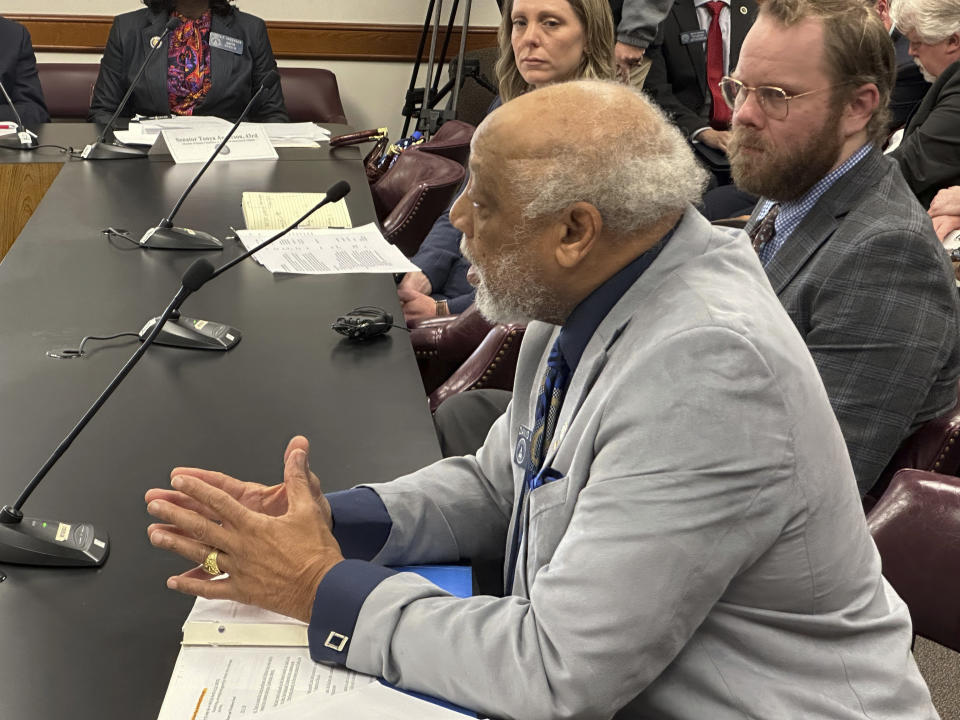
column 456, row 580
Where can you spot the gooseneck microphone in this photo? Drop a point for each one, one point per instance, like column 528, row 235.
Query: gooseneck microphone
column 24, row 139
column 167, row 237
column 180, row 331
column 102, row 150
column 36, row 541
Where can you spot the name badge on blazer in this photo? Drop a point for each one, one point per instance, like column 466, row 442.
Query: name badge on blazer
column 686, row 38
column 521, row 452
column 232, row 44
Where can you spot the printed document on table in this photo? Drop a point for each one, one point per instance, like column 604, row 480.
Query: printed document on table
column 303, row 134
column 328, row 252
column 147, row 130
column 276, row 210
column 241, row 682
column 373, row 701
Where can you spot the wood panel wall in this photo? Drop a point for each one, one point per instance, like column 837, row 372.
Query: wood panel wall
column 291, row 40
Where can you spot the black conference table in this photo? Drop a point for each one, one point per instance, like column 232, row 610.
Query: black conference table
column 101, row 643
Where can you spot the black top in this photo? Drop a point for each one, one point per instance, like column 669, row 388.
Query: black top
column 235, row 75
column 18, row 72
column 929, row 154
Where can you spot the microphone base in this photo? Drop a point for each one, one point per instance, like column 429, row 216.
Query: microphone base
column 35, row 541
column 109, row 151
column 22, row 141
column 185, row 332
column 177, row 238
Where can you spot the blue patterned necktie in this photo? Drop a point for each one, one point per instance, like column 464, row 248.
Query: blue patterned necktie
column 549, row 401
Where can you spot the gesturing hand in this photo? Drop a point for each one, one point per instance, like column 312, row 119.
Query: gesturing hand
column 275, row 554
column 267, row 499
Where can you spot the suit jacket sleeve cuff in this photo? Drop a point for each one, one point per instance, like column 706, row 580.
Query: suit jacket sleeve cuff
column 336, row 606
column 460, row 303
column 630, row 39
column 361, row 523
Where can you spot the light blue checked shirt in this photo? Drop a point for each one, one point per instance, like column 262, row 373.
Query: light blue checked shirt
column 792, row 213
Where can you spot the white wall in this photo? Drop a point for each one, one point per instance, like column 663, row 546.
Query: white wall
column 372, row 92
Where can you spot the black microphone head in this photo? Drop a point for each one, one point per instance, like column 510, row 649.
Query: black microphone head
column 172, row 24
column 197, row 274
column 338, row 191
column 270, row 79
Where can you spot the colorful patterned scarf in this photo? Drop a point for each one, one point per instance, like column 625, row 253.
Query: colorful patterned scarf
column 188, row 64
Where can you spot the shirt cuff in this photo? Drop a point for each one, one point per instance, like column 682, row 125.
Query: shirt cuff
column 361, row 523
column 696, row 133
column 336, row 607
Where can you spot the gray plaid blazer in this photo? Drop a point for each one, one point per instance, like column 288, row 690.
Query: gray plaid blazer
column 871, row 291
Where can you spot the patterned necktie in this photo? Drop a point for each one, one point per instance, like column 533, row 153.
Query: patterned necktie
column 720, row 113
column 762, row 233
column 549, row 400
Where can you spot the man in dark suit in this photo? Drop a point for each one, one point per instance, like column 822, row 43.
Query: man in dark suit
column 678, row 79
column 910, row 86
column 846, row 246
column 18, row 72
column 929, row 154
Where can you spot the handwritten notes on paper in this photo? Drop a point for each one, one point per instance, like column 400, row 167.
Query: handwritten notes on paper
column 275, row 210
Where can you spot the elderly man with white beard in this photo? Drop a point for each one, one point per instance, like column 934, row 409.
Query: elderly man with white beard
column 683, row 534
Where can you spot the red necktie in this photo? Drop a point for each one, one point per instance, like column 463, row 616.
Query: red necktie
column 720, row 114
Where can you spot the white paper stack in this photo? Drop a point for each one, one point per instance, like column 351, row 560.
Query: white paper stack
column 328, row 252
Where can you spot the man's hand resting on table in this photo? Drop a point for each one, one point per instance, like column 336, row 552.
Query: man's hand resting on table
column 945, row 211
column 275, row 542
column 416, row 305
column 416, row 281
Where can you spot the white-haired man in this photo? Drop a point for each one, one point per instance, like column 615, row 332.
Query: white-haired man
column 929, row 154
column 683, row 534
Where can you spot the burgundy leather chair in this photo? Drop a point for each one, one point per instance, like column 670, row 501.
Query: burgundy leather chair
column 412, row 194
column 451, row 140
column 934, row 447
column 916, row 526
column 465, row 352
column 68, row 88
column 311, row 95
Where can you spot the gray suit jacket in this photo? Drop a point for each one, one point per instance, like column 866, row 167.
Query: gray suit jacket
column 704, row 553
column 234, row 77
column 871, row 291
column 636, row 21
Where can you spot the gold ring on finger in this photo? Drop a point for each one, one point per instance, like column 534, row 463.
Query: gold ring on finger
column 210, row 563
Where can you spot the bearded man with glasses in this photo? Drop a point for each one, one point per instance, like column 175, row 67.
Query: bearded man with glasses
column 847, row 247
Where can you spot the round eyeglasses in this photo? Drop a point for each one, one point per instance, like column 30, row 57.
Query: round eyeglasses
column 772, row 100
